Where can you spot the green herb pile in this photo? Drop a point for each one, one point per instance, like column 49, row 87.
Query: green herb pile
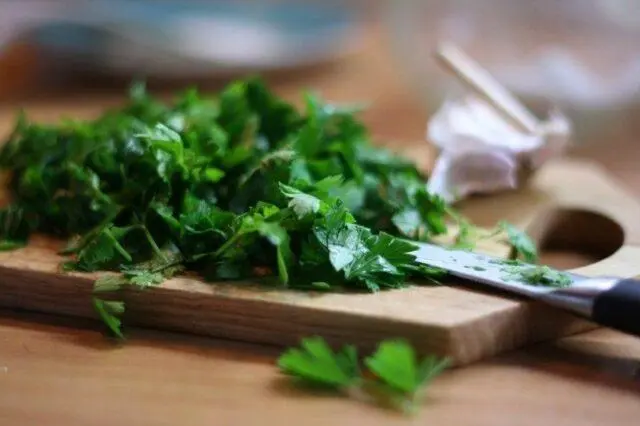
column 240, row 185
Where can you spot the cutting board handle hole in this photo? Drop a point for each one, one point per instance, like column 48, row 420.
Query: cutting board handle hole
column 573, row 238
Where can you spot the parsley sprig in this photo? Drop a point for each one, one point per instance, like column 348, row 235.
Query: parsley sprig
column 394, row 376
column 316, row 363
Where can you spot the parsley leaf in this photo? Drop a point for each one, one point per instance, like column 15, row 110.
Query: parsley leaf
column 302, row 204
column 315, row 362
column 110, row 313
column 104, row 249
column 399, row 371
column 521, row 242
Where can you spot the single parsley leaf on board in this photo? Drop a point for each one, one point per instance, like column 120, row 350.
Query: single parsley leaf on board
column 317, row 364
column 521, row 242
column 399, row 372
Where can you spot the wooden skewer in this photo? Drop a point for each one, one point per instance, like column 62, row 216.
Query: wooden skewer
column 480, row 81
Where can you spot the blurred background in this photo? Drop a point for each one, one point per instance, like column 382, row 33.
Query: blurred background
column 80, row 55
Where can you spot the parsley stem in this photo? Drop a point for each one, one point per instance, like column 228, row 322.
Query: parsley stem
column 227, row 244
column 218, row 252
column 80, row 244
column 123, row 252
column 153, row 244
column 166, row 266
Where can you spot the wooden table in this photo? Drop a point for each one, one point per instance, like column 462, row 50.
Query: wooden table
column 58, row 371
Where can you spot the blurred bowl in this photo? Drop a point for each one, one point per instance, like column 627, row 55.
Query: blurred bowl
column 193, row 39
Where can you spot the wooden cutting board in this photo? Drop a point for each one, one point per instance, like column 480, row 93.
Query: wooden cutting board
column 568, row 205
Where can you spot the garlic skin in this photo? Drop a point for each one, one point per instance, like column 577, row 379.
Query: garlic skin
column 481, row 152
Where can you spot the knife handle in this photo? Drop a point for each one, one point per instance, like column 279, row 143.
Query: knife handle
column 619, row 307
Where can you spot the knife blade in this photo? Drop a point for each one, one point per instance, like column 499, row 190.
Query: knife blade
column 610, row 301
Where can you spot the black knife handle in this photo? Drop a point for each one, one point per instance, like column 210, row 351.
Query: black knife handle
column 619, row 307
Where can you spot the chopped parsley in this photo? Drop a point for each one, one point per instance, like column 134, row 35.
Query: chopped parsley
column 234, row 186
column 538, row 275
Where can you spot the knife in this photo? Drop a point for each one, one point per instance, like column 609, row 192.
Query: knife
column 612, row 302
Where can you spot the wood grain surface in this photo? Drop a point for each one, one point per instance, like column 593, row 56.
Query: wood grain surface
column 59, row 371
